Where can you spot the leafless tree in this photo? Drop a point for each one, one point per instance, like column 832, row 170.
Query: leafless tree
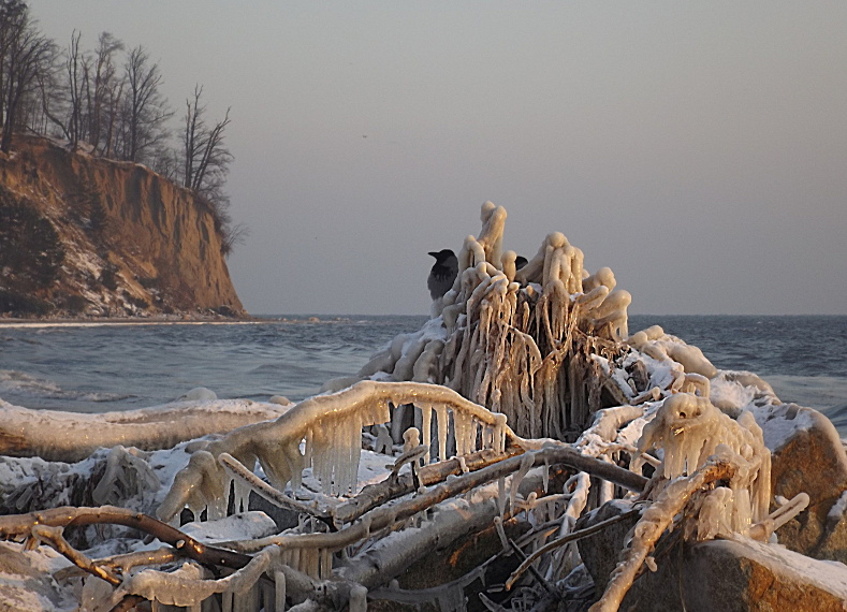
column 63, row 97
column 24, row 55
column 103, row 93
column 205, row 161
column 206, row 158
column 144, row 111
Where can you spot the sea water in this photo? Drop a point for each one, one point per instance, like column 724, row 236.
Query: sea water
column 110, row 366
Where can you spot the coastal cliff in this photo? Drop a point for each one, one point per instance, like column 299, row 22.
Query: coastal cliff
column 85, row 236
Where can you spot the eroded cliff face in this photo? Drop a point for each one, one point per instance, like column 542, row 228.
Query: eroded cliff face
column 81, row 235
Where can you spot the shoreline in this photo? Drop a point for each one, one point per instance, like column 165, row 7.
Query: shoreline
column 22, row 322
column 181, row 319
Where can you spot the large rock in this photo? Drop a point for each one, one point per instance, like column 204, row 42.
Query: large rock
column 808, row 456
column 724, row 575
column 600, row 551
column 740, row 576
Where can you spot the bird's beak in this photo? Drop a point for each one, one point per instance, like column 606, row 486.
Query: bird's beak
column 434, row 254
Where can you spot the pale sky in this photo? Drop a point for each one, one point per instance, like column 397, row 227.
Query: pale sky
column 697, row 149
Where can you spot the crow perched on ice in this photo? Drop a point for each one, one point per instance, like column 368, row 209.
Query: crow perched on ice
column 443, row 273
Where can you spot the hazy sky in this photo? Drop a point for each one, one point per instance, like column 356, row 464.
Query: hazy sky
column 697, row 149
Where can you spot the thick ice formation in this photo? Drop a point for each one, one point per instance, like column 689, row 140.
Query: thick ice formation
column 688, row 429
column 519, row 341
column 654, row 342
column 329, row 427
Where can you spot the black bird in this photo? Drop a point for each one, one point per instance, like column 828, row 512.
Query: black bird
column 443, row 273
column 520, row 262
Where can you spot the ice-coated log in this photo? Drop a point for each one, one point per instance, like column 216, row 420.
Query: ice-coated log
column 655, row 519
column 188, row 586
column 69, row 436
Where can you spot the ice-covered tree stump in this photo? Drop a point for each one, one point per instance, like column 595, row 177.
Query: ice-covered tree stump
column 523, row 342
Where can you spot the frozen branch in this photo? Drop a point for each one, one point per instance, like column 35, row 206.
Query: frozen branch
column 387, row 517
column 559, row 542
column 18, row 526
column 653, row 523
column 331, row 425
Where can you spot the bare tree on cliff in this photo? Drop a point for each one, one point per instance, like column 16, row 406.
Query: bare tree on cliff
column 204, row 165
column 63, row 97
column 144, row 111
column 103, row 94
column 24, row 56
column 81, row 96
column 206, row 158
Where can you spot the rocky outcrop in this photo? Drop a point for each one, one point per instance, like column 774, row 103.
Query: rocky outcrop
column 805, row 571
column 125, row 240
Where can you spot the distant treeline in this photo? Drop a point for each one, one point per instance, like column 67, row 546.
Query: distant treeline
column 107, row 100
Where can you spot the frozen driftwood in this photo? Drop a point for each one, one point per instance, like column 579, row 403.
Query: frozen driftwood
column 70, row 436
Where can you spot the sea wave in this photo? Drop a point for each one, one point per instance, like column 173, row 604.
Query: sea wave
column 821, row 392
column 20, row 384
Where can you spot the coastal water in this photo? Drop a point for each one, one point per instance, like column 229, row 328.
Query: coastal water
column 103, row 367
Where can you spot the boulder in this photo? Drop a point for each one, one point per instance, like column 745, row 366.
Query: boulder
column 600, row 551
column 742, row 576
column 729, row 575
column 808, row 456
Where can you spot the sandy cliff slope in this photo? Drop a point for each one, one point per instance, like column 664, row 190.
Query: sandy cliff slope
column 81, row 235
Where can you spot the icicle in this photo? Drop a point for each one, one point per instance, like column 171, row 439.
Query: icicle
column 462, row 425
column 325, row 570
column 516, row 479
column 443, row 423
column 577, row 272
column 426, row 429
column 358, row 599
column 500, row 432
column 713, row 518
column 501, row 496
column 279, row 591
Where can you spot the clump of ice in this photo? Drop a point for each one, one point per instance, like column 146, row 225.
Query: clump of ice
column 688, row 430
